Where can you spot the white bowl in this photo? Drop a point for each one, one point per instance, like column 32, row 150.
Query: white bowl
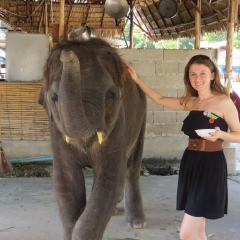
column 204, row 132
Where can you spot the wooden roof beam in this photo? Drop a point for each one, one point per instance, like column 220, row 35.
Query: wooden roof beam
column 103, row 18
column 186, row 9
column 130, row 15
column 232, row 18
column 87, row 12
column 61, row 20
column 54, row 3
column 46, row 18
column 197, row 7
column 198, row 24
column 30, row 17
column 41, row 19
column 163, row 19
column 17, row 13
column 139, row 25
column 146, row 18
column 188, row 23
column 139, row 10
column 184, row 31
column 154, row 4
column 69, row 14
column 215, row 10
column 29, row 10
column 4, row 16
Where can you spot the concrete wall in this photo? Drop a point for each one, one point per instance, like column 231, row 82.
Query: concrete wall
column 163, row 70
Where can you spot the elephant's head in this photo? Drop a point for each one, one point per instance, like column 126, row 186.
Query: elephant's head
column 82, row 90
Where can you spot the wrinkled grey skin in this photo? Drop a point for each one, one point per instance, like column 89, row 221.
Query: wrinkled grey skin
column 86, row 88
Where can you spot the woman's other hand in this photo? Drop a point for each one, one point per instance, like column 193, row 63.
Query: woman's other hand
column 214, row 135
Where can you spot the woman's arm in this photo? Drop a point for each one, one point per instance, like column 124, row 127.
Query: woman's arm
column 230, row 115
column 159, row 99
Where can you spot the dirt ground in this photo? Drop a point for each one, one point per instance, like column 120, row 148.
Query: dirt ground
column 29, row 211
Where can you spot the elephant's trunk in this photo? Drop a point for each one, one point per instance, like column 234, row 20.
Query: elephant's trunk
column 72, row 114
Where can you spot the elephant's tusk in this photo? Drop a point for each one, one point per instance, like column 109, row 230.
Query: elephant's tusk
column 67, row 139
column 99, row 134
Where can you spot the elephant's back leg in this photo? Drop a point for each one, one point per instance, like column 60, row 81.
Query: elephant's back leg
column 133, row 199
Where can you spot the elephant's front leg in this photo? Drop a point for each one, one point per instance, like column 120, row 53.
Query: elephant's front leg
column 71, row 196
column 107, row 188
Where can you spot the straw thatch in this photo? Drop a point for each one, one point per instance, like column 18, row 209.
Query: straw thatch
column 42, row 16
column 22, row 118
column 214, row 16
column 39, row 16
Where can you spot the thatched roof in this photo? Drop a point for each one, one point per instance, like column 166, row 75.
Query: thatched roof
column 39, row 16
column 214, row 15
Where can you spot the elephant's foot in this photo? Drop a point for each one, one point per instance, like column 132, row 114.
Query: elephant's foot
column 78, row 237
column 86, row 237
column 86, row 233
column 137, row 221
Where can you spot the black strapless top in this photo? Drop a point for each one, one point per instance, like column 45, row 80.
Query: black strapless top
column 202, row 120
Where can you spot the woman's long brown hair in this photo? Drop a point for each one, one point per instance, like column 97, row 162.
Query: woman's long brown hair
column 216, row 85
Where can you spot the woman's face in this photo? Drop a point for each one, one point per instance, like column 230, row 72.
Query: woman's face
column 200, row 76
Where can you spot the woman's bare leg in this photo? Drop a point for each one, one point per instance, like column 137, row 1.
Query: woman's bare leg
column 202, row 231
column 192, row 228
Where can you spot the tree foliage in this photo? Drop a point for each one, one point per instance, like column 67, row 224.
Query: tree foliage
column 214, row 37
column 141, row 40
column 236, row 40
column 186, row 43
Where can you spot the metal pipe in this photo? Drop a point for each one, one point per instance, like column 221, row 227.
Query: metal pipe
column 32, row 159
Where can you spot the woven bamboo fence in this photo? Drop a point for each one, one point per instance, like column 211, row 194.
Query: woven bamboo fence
column 22, row 118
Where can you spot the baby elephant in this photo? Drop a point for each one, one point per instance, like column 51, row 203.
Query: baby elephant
column 96, row 119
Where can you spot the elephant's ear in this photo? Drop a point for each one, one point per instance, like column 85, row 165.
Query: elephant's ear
column 43, row 101
column 121, row 72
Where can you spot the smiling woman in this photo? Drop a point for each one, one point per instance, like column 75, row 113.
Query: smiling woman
column 210, row 107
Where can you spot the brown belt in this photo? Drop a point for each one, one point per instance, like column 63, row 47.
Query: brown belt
column 204, row 145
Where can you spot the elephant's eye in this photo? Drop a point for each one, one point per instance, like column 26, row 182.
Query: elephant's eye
column 54, row 97
column 111, row 95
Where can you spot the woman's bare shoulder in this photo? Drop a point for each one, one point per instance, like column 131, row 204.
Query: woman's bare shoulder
column 223, row 99
column 191, row 103
column 225, row 105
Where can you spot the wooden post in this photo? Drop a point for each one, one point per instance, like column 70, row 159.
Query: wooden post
column 131, row 25
column 233, row 8
column 46, row 18
column 61, row 20
column 198, row 24
column 5, row 164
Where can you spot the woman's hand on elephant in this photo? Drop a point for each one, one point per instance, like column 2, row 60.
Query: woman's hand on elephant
column 132, row 72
